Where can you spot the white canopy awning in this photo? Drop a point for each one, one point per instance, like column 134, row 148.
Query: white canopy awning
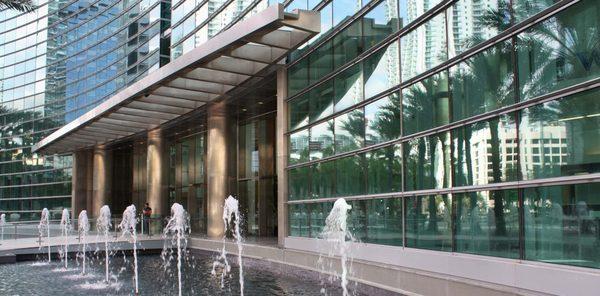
column 239, row 55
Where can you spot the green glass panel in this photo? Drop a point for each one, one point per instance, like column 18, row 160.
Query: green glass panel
column 298, row 110
column 384, row 221
column 347, row 44
column 382, row 120
column 321, row 101
column 379, row 23
column 483, row 83
column 349, row 131
column 299, row 184
column 350, row 176
column 384, row 170
column 427, row 162
column 381, row 70
column 298, row 218
column 485, row 152
column 321, row 62
column 425, row 104
column 561, row 51
column 318, row 215
column 428, row 222
column 424, row 47
column 299, row 147
column 321, row 140
column 297, row 77
column 523, row 9
column 487, row 223
column 323, row 180
column 561, row 224
column 561, row 137
column 357, row 219
column 348, row 88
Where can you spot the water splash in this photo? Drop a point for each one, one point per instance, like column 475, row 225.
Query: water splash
column 178, row 225
column 230, row 213
column 128, row 227
column 2, row 224
column 338, row 239
column 65, row 226
column 103, row 226
column 83, row 225
column 45, row 226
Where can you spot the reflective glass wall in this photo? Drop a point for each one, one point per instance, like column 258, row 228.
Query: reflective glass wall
column 460, row 126
column 57, row 63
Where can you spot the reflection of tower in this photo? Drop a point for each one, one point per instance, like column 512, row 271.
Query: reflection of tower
column 465, row 19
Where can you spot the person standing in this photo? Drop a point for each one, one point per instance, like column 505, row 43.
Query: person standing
column 147, row 212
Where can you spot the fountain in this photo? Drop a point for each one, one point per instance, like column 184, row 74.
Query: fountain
column 178, row 225
column 336, row 235
column 65, row 226
column 128, row 227
column 230, row 209
column 45, row 225
column 2, row 224
column 103, row 226
column 83, row 225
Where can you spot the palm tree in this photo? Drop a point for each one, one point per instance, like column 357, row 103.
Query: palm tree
column 19, row 5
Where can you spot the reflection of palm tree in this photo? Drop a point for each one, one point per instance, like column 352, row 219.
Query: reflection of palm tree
column 19, row 5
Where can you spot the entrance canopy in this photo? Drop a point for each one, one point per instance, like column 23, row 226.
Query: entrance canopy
column 237, row 57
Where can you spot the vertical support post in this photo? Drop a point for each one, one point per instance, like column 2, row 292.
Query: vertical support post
column 156, row 169
column 217, row 167
column 102, row 179
column 282, row 157
column 81, row 181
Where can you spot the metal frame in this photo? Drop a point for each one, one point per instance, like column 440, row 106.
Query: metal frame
column 207, row 73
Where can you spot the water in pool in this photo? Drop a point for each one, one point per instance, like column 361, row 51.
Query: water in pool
column 43, row 278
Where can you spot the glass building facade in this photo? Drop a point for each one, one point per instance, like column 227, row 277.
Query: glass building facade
column 57, row 63
column 457, row 126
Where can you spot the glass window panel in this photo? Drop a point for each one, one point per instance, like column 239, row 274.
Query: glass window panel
column 472, row 22
column 299, row 147
column 483, row 83
column 349, row 131
column 348, row 88
column 380, row 70
column 424, row 47
column 560, row 52
column 357, row 219
column 561, row 137
column 384, row 221
column 427, row 162
column 412, row 9
column 380, row 22
column 299, row 224
column 428, row 222
column 384, row 170
column 321, row 140
column 487, row 223
column 524, row 9
column 298, row 183
column 485, row 152
column 561, row 224
column 425, row 104
column 321, row 62
column 323, row 180
column 344, row 9
column 297, row 77
column 298, row 111
column 347, row 44
column 321, row 101
column 382, row 120
column 318, row 214
column 350, row 178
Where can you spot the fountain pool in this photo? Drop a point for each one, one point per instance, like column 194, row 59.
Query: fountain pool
column 28, row 278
